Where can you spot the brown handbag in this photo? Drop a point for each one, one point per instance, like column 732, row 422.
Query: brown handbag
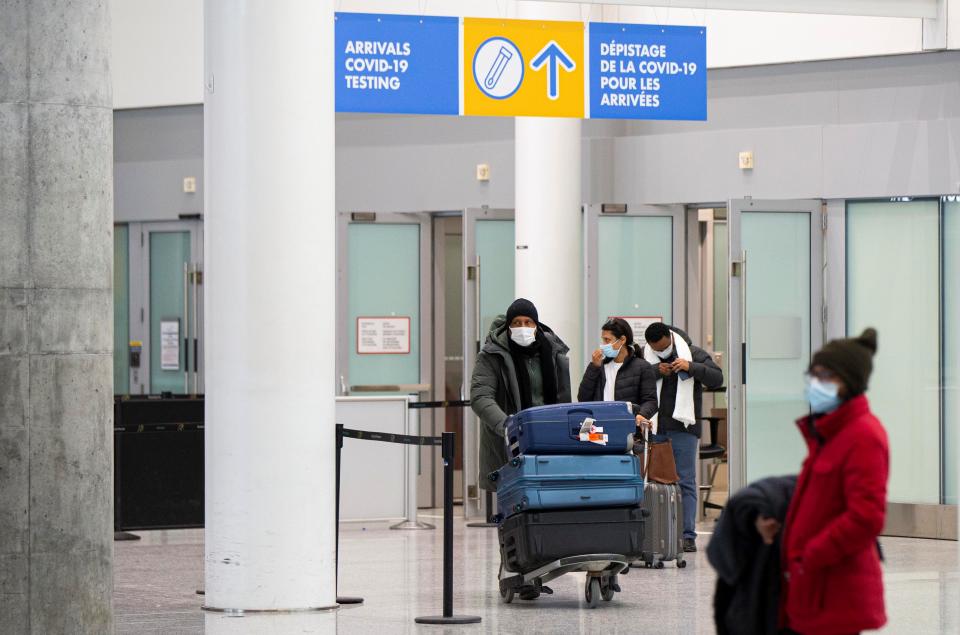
column 663, row 467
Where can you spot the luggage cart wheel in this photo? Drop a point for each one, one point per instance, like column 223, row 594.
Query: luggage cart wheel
column 606, row 592
column 507, row 595
column 659, row 565
column 681, row 564
column 591, row 591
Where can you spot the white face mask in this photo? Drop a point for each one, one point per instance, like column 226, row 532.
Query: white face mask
column 523, row 335
column 665, row 353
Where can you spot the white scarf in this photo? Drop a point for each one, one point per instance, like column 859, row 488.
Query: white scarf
column 683, row 410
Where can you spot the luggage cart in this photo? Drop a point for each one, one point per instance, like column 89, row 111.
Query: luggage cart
column 601, row 583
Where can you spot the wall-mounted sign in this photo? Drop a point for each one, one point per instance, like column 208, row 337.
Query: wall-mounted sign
column 639, row 324
column 492, row 67
column 170, row 344
column 383, row 335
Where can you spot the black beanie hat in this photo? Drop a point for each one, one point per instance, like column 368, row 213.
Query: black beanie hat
column 851, row 359
column 522, row 306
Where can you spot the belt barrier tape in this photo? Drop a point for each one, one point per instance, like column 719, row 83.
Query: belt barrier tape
column 418, row 405
column 407, row 439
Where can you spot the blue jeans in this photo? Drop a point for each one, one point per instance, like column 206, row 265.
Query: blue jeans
column 686, row 452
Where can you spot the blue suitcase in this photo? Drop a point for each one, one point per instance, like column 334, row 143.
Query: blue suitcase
column 556, row 429
column 532, row 482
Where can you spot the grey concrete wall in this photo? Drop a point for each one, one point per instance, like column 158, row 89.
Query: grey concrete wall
column 56, row 318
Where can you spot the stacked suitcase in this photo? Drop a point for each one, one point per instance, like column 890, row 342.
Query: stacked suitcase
column 572, row 486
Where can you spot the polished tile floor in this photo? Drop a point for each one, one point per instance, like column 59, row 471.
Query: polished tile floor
column 398, row 573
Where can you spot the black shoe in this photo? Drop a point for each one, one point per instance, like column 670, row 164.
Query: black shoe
column 690, row 545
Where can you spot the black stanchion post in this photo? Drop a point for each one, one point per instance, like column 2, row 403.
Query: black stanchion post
column 448, row 452
column 340, row 599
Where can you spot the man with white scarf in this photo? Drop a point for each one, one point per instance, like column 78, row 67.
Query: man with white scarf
column 682, row 371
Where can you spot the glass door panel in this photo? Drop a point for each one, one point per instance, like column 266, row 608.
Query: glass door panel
column 778, row 338
column 495, row 252
column 170, row 302
column 489, row 249
column 121, row 310
column 634, row 268
column 635, row 272
column 775, row 300
column 383, row 300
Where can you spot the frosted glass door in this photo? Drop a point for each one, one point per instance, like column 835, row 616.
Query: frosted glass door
column 383, row 299
column 635, row 267
column 775, row 307
column 951, row 349
column 778, row 338
column 495, row 250
column 169, row 253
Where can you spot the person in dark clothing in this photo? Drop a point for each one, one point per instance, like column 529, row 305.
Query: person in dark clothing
column 682, row 371
column 618, row 372
column 522, row 364
column 748, row 569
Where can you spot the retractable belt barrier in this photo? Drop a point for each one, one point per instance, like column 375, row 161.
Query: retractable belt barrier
column 389, row 437
column 447, row 443
column 417, row 405
column 460, row 403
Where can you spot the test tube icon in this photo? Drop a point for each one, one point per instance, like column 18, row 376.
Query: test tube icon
column 497, row 68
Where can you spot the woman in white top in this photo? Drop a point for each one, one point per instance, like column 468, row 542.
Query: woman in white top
column 618, row 372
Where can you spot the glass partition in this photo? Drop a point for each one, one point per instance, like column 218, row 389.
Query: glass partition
column 951, row 348
column 893, row 284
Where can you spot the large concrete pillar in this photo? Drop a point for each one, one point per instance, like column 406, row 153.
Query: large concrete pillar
column 270, row 321
column 549, row 234
column 56, row 317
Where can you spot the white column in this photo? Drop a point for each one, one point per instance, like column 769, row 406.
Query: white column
column 549, row 234
column 549, row 225
column 270, row 322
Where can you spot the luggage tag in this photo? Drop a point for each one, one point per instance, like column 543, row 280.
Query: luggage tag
column 591, row 433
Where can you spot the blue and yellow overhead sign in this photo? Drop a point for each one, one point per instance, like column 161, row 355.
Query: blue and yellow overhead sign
column 523, row 68
column 397, row 64
column 510, row 68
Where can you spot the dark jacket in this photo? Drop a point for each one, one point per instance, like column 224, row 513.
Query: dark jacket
column 747, row 596
column 705, row 372
column 636, row 383
column 834, row 583
column 495, row 392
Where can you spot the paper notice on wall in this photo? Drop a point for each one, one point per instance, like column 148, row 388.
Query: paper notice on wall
column 170, row 344
column 383, row 335
column 639, row 324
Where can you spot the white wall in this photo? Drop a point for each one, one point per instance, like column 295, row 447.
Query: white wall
column 158, row 44
column 157, row 52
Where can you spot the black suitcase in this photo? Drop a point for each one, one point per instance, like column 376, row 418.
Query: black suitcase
column 530, row 540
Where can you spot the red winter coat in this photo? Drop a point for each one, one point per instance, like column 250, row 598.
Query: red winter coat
column 832, row 579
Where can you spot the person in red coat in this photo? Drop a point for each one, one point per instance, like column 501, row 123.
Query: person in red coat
column 832, row 582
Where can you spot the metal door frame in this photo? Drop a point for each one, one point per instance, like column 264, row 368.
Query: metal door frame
column 425, row 481
column 591, row 234
column 736, row 327
column 138, row 237
column 473, row 506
